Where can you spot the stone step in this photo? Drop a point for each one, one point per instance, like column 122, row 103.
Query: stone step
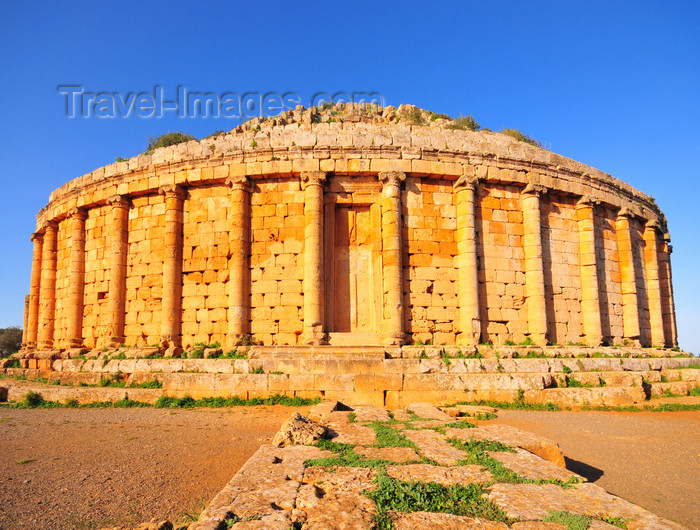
column 579, row 397
column 374, row 362
column 672, row 389
column 16, row 391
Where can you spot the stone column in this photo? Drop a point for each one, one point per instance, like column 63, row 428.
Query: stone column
column 47, row 303
column 34, row 292
column 590, row 290
column 670, row 330
column 651, row 262
column 76, row 275
column 117, row 253
column 534, row 268
column 628, row 276
column 171, row 318
column 26, row 320
column 314, row 306
column 392, row 331
column 467, row 262
column 239, row 271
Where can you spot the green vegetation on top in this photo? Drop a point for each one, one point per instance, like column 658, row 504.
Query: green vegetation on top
column 521, row 137
column 464, row 123
column 164, row 140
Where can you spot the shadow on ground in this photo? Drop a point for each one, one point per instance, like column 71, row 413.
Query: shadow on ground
column 583, row 469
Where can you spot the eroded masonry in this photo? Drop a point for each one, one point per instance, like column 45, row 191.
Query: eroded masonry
column 305, row 230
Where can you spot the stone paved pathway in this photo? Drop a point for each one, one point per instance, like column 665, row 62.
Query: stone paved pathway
column 413, row 469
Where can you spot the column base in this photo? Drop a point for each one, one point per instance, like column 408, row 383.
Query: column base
column 464, row 339
column 173, row 351
column 540, row 339
column 315, row 338
column 75, row 343
column 115, row 342
column 393, row 339
column 593, row 342
column 632, row 342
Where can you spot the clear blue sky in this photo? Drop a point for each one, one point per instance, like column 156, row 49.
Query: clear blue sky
column 611, row 84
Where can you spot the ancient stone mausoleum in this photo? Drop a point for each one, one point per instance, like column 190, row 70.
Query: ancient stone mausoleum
column 305, row 229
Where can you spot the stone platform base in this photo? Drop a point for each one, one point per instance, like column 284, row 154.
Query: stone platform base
column 293, row 486
column 380, row 376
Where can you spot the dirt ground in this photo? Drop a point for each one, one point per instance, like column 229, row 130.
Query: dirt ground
column 90, row 468
column 649, row 458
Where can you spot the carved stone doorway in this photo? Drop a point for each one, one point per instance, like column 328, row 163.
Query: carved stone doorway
column 353, row 273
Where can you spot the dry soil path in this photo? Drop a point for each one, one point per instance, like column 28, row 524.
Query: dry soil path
column 649, row 458
column 89, row 468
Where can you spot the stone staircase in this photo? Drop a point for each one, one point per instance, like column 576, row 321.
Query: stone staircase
column 382, row 376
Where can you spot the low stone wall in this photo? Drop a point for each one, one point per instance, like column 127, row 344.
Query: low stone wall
column 378, row 379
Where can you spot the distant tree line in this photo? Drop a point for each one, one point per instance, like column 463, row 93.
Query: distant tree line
column 10, row 340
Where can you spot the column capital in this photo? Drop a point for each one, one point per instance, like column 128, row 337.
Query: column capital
column 534, row 189
column 118, row 201
column 312, row 178
column 653, row 224
column 465, row 182
column 172, row 191
column 626, row 213
column 391, row 178
column 50, row 226
column 36, row 236
column 587, row 201
column 78, row 213
column 239, row 183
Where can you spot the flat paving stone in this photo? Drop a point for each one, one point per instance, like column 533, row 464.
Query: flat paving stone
column 532, row 502
column 368, row 413
column 401, row 415
column 443, row 521
column 447, row 476
column 351, row 433
column 334, row 498
column 392, row 454
column 432, row 445
column 426, row 410
column 267, row 483
column 532, row 466
column 538, row 445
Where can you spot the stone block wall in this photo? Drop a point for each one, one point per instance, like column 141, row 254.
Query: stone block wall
column 560, row 248
column 501, row 268
column 205, row 253
column 609, row 278
column 96, row 279
column 277, row 261
column 144, row 273
column 474, row 237
column 430, row 275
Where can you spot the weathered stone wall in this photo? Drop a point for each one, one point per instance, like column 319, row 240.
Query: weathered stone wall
column 444, row 237
column 430, row 276
column 502, row 273
column 277, row 262
column 560, row 247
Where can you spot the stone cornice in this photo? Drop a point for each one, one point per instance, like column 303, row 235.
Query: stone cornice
column 346, row 149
